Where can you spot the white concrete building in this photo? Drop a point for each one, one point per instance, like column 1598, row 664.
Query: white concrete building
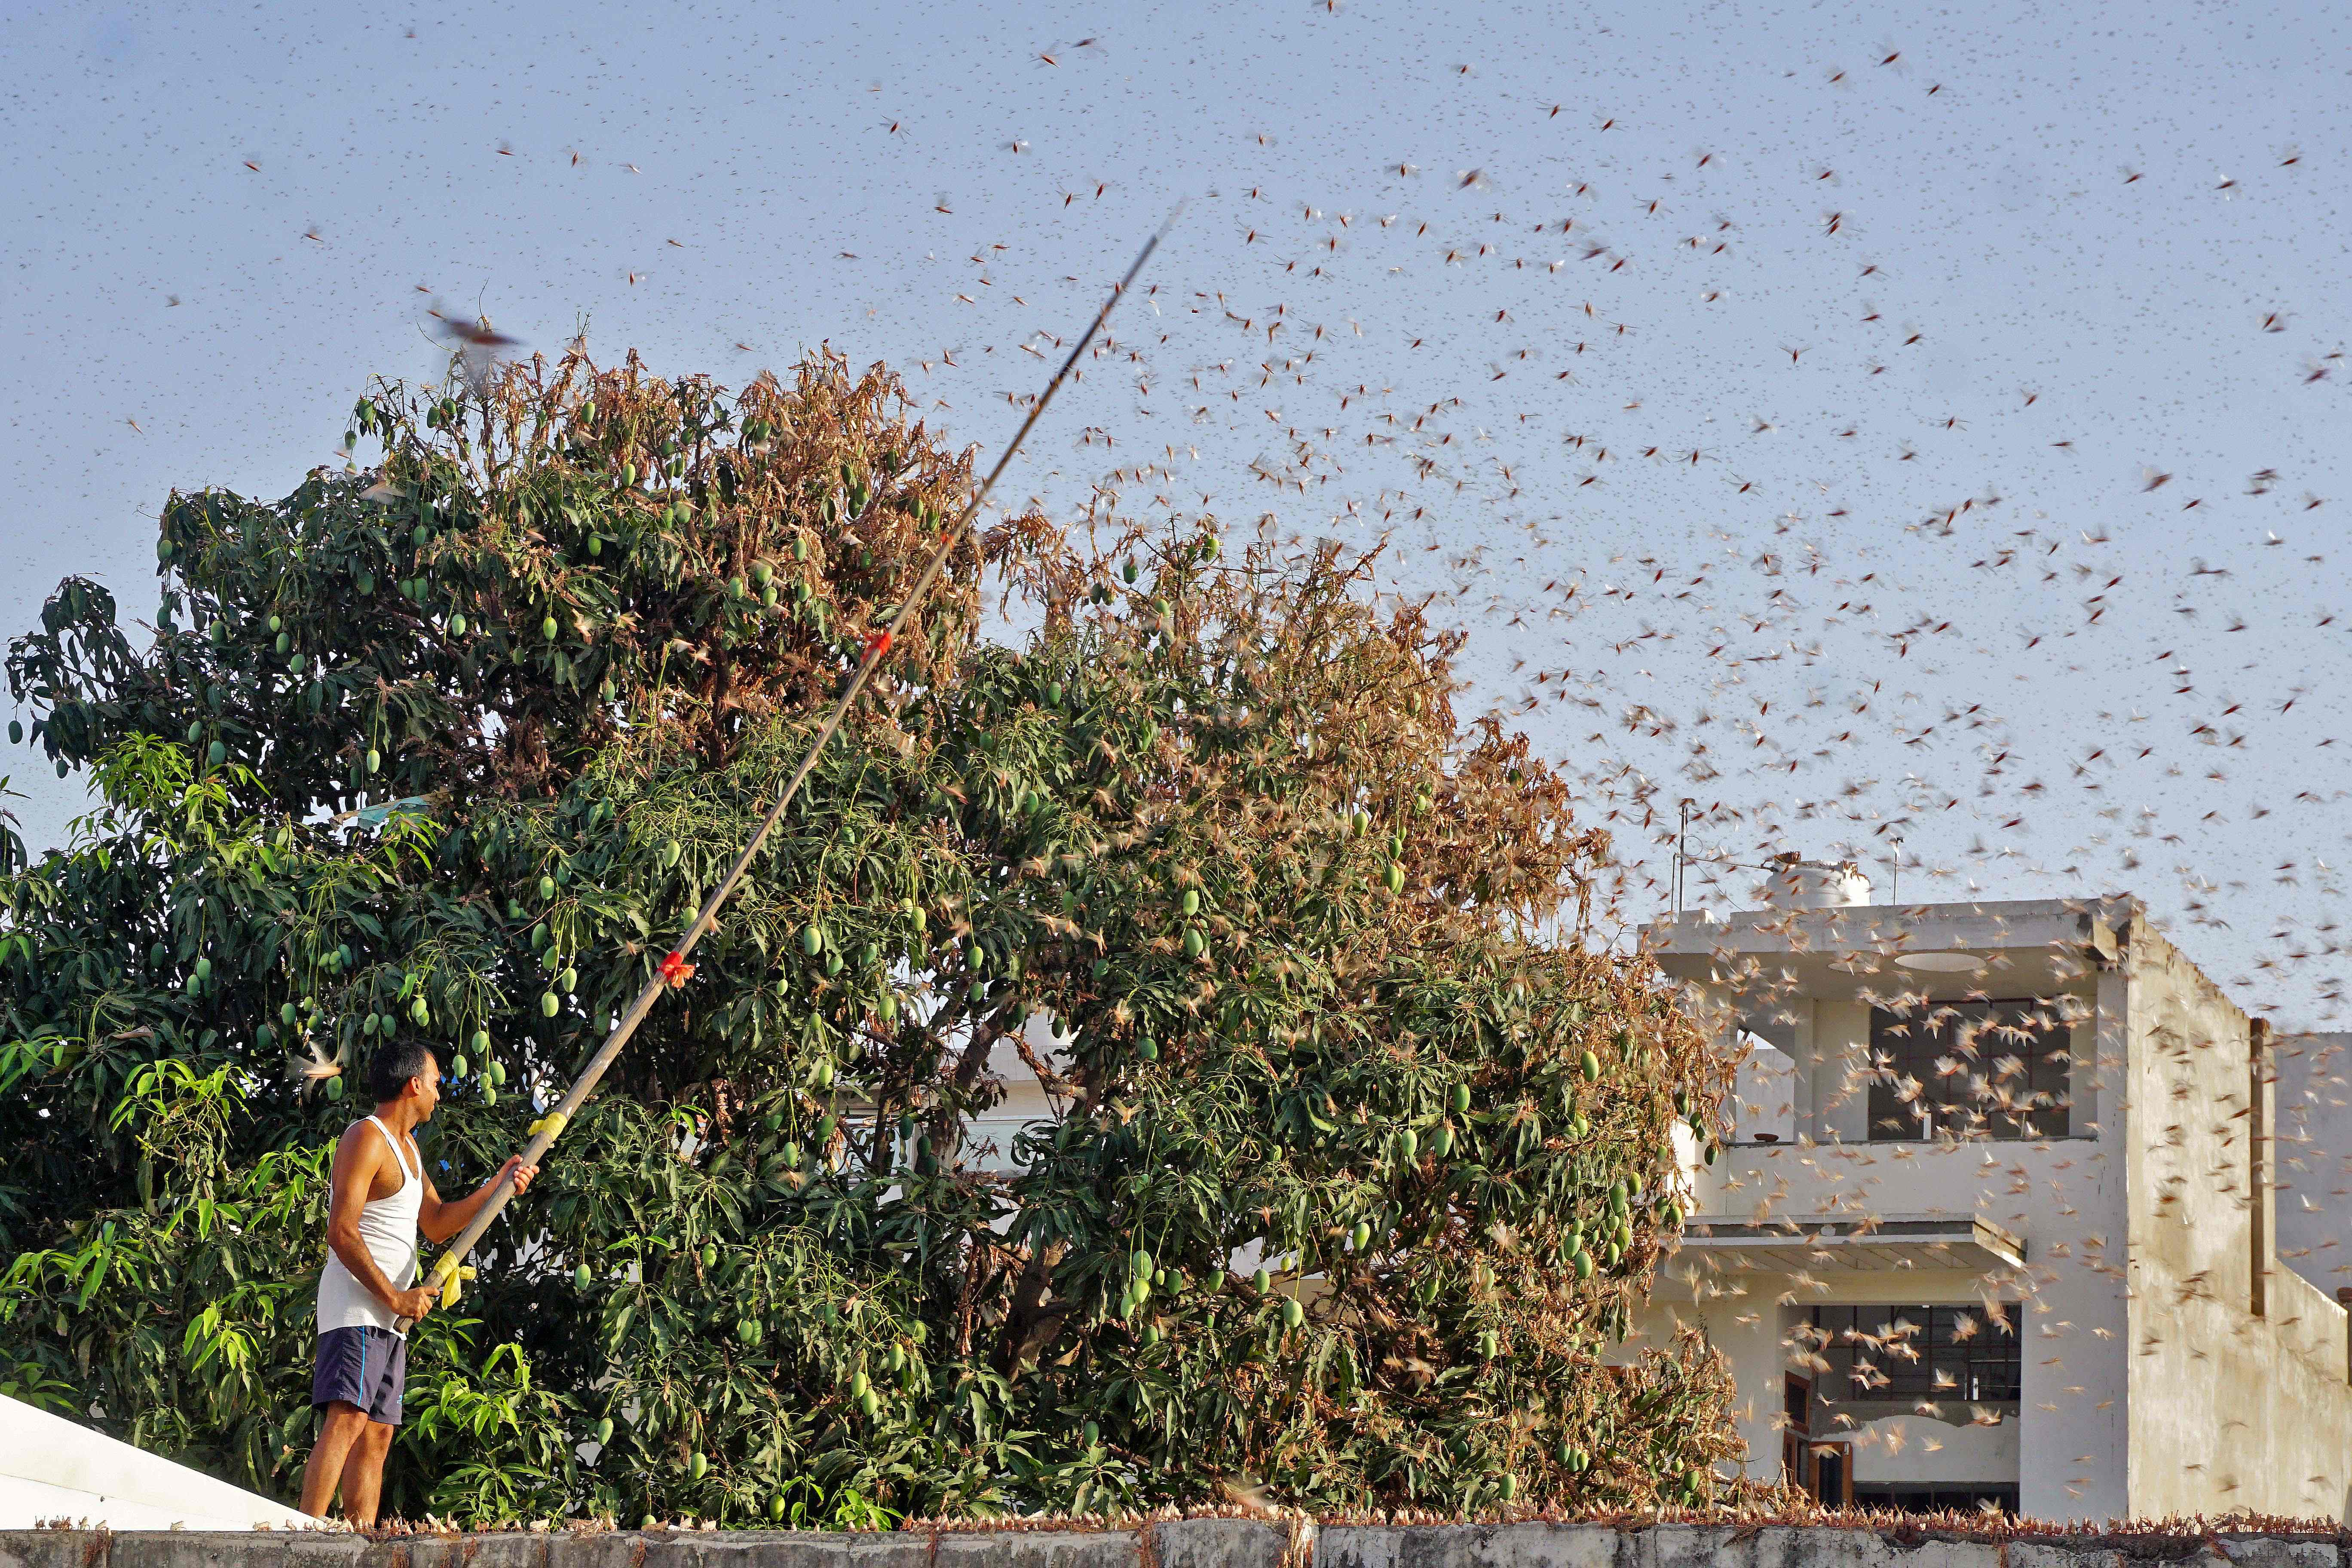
column 2000, row 1222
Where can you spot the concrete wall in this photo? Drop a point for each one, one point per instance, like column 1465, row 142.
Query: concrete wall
column 1909, row 1449
column 52, row 1468
column 2238, row 1376
column 1186, row 1543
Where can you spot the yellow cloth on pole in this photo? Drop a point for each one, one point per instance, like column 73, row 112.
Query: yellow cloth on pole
column 554, row 1122
column 446, row 1276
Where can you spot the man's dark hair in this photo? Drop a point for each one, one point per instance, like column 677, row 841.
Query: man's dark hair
column 393, row 1064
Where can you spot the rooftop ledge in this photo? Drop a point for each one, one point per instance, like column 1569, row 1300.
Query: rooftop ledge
column 1982, row 925
column 1854, row 1245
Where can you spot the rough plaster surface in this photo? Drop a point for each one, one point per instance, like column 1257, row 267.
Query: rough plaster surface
column 1185, row 1543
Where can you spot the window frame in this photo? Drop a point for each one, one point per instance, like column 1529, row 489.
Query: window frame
column 1976, row 1035
column 1988, row 1367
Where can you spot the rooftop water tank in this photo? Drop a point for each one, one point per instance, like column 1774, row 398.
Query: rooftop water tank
column 1795, row 883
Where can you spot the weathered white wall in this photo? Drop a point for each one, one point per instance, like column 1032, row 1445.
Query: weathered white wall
column 1764, row 1094
column 1912, row 1448
column 52, row 1468
column 2227, row 1409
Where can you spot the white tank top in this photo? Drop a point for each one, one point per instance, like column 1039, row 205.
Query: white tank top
column 388, row 1229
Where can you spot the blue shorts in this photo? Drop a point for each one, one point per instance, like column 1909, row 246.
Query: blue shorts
column 366, row 1367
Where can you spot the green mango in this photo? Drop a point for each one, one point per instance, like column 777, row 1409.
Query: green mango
column 1293, row 1314
column 699, row 1466
column 548, row 628
column 605, row 1431
column 1589, row 1065
column 549, row 1004
column 546, row 888
column 1460, row 1098
column 581, row 1280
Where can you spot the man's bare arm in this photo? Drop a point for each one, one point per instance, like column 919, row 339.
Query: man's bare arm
column 439, row 1221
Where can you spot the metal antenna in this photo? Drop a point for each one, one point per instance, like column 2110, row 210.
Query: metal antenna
column 1682, row 852
column 674, row 968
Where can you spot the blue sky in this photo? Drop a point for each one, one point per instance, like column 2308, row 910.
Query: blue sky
column 1934, row 294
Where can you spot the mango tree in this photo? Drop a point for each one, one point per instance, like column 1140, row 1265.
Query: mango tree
column 1360, row 1138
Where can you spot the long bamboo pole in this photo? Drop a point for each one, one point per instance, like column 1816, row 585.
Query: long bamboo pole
column 877, row 646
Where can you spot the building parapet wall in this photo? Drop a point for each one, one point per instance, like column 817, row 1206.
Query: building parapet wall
column 1203, row 1543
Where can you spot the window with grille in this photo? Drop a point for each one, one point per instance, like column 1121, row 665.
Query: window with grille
column 1915, row 1353
column 1970, row 1069
column 1941, row 1497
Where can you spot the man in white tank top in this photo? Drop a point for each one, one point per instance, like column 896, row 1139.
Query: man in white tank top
column 381, row 1199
